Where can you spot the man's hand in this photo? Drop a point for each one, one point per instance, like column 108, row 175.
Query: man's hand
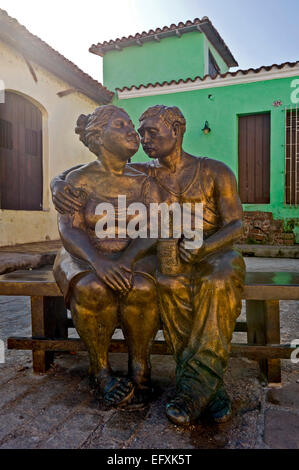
column 191, row 256
column 115, row 274
column 66, row 198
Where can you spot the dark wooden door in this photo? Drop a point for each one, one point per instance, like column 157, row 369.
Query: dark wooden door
column 20, row 154
column 254, row 158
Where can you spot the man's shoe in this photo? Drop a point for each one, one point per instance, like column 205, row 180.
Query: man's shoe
column 182, row 410
column 219, row 409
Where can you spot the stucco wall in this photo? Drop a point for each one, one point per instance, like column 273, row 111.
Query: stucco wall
column 170, row 59
column 61, row 146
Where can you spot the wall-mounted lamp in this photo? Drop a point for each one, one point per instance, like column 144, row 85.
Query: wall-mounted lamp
column 206, row 130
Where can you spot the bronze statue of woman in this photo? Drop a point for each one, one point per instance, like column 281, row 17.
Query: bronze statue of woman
column 108, row 282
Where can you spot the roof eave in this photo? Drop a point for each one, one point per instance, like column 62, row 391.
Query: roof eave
column 37, row 51
column 205, row 26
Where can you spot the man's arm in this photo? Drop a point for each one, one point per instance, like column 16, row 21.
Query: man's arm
column 230, row 210
column 64, row 196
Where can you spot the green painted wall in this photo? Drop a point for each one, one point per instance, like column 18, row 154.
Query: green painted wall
column 222, row 111
column 170, row 59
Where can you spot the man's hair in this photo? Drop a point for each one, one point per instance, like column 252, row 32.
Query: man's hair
column 168, row 114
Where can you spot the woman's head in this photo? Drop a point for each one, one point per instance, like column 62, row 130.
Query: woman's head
column 108, row 127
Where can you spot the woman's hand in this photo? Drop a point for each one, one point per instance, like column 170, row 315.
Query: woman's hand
column 66, row 198
column 191, row 255
column 115, row 274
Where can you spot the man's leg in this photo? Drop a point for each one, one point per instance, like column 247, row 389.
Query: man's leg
column 199, row 316
column 94, row 309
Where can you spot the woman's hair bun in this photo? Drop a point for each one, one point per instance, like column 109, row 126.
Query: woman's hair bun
column 81, row 126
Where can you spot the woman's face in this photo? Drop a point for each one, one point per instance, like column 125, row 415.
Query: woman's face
column 119, row 136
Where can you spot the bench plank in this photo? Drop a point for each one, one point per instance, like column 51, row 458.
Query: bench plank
column 258, row 285
column 255, row 352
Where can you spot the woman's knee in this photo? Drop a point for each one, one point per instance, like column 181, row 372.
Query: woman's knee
column 89, row 291
column 143, row 290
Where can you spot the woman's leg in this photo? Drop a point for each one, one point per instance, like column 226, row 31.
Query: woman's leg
column 94, row 309
column 140, row 323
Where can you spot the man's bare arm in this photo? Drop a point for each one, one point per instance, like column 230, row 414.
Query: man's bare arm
column 65, row 198
column 230, row 209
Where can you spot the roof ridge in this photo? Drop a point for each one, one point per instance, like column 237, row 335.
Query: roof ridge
column 267, row 68
column 173, row 26
column 209, row 30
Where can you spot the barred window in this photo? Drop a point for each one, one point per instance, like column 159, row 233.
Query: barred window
column 292, row 156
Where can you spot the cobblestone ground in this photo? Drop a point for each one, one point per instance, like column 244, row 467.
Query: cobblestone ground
column 57, row 410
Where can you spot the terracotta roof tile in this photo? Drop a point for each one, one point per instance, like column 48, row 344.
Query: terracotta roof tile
column 204, row 25
column 266, row 68
column 35, row 49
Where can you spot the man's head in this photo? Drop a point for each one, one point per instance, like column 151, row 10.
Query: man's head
column 161, row 130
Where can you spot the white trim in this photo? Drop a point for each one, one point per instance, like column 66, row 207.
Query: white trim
column 206, row 56
column 208, row 82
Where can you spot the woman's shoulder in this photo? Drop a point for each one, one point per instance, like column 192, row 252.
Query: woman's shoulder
column 79, row 176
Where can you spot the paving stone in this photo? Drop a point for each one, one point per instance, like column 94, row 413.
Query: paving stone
column 287, row 396
column 11, row 390
column 122, row 425
column 23, row 439
column 281, row 429
column 74, row 432
column 9, row 421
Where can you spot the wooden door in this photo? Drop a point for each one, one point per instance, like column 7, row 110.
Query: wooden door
column 20, row 154
column 254, row 158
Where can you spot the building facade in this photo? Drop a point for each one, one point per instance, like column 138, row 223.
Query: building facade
column 252, row 114
column 42, row 95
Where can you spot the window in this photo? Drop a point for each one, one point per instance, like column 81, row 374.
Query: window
column 20, row 154
column 292, row 156
column 213, row 67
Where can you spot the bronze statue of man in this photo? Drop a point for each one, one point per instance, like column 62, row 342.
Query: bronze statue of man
column 199, row 304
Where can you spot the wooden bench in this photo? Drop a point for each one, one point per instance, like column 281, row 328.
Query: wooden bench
column 50, row 322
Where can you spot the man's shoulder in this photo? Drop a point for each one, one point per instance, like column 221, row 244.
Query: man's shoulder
column 216, row 168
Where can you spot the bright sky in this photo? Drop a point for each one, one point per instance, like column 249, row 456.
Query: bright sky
column 258, row 32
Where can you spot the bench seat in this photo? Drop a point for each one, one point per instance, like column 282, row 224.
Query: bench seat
column 262, row 292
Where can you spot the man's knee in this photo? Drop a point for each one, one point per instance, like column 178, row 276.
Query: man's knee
column 167, row 285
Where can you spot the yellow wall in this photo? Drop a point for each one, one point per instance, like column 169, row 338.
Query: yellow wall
column 61, row 146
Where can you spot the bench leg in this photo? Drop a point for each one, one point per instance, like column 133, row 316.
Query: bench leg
column 49, row 320
column 263, row 323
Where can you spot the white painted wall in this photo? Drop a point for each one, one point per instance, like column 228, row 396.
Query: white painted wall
column 61, row 146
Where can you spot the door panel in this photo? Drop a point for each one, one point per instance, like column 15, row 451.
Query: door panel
column 254, row 158
column 20, row 154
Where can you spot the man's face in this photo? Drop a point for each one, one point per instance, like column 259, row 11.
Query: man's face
column 157, row 139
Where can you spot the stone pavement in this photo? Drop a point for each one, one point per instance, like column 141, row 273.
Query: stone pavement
column 57, row 410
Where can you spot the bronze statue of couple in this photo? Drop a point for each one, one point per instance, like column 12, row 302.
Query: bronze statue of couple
column 111, row 282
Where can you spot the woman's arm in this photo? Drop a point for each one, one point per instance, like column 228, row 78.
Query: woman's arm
column 76, row 241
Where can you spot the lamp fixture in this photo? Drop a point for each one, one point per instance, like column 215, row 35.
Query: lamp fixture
column 206, row 130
